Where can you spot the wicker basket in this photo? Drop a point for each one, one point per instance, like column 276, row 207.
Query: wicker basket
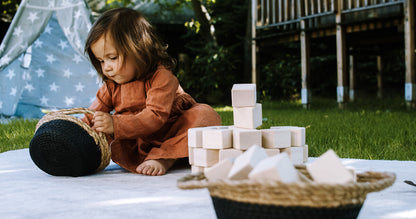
column 273, row 199
column 64, row 145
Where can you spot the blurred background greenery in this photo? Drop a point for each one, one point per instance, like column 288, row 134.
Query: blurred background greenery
column 211, row 41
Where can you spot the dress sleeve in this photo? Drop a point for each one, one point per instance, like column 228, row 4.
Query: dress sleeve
column 102, row 102
column 160, row 94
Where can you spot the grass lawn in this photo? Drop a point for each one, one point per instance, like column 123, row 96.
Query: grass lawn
column 367, row 129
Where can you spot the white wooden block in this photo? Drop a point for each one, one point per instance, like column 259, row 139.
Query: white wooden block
column 197, row 169
column 272, row 151
column 191, row 155
column 219, row 171
column 245, row 138
column 248, row 117
column 328, row 168
column 278, row 167
column 195, row 136
column 244, row 163
column 217, row 138
column 305, row 153
column 243, row 95
column 297, row 134
column 287, row 150
column 205, row 157
column 296, row 155
column 276, row 138
column 229, row 153
column 353, row 172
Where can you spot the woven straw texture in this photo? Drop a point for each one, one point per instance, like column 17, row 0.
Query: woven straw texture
column 99, row 138
column 305, row 194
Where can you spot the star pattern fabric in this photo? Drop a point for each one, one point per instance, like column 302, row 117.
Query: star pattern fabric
column 58, row 74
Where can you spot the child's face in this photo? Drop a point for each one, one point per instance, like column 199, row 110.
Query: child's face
column 111, row 62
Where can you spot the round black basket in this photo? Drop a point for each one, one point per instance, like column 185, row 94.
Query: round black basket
column 61, row 146
column 225, row 208
column 300, row 200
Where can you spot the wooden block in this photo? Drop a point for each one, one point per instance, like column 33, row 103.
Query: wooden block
column 248, row 117
column 297, row 134
column 305, row 153
column 328, row 168
column 229, row 153
column 245, row 138
column 244, row 163
column 217, row 138
column 243, row 95
column 353, row 173
column 287, row 150
column 296, row 155
column 197, row 169
column 272, row 151
column 278, row 167
column 219, row 171
column 205, row 157
column 276, row 138
column 191, row 155
column 195, row 136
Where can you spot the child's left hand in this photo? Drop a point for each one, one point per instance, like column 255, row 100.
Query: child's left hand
column 103, row 122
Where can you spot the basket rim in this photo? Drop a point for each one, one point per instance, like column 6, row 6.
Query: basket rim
column 99, row 138
column 311, row 194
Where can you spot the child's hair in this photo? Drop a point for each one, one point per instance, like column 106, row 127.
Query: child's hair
column 132, row 36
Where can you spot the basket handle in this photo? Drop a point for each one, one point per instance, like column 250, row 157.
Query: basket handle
column 73, row 111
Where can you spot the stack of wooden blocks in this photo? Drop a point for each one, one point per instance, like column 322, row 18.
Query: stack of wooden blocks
column 211, row 145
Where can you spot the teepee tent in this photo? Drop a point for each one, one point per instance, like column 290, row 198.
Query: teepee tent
column 42, row 63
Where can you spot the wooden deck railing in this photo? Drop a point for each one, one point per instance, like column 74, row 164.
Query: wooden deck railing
column 272, row 13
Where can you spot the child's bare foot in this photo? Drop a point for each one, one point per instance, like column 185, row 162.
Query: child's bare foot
column 155, row 167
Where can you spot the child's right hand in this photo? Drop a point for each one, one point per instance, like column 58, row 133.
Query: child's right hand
column 103, row 122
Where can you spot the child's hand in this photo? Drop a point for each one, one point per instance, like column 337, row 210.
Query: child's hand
column 103, row 122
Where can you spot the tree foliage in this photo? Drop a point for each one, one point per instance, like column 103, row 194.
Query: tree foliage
column 8, row 9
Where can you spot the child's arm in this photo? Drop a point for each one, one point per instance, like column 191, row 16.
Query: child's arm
column 101, row 103
column 160, row 94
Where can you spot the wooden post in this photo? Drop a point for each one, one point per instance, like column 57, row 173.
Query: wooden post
column 253, row 41
column 379, row 77
column 305, row 63
column 409, row 40
column 342, row 87
column 352, row 78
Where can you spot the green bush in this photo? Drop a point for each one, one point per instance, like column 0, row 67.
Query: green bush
column 280, row 79
column 211, row 74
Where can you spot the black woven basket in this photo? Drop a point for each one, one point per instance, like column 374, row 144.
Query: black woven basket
column 230, row 209
column 61, row 147
column 274, row 199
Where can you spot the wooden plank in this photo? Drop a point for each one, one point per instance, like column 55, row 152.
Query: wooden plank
column 287, row 10
column 262, row 12
column 293, row 10
column 305, row 63
column 409, row 38
column 253, row 42
column 280, row 11
column 379, row 77
column 274, row 11
column 352, row 78
column 341, row 59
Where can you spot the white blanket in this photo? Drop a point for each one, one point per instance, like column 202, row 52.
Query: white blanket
column 27, row 192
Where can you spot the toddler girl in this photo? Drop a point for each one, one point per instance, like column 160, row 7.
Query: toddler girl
column 151, row 115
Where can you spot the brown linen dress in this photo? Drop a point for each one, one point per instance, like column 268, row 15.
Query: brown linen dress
column 151, row 118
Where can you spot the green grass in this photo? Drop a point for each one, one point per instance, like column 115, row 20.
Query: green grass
column 16, row 134
column 368, row 129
